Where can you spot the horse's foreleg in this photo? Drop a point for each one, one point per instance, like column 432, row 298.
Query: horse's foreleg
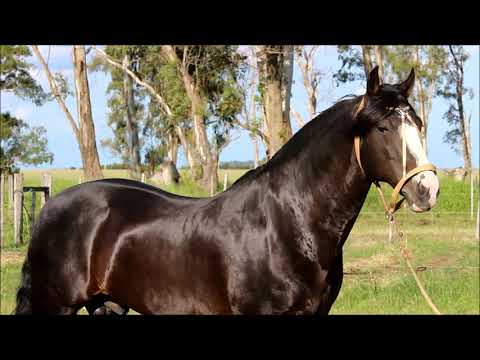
column 334, row 280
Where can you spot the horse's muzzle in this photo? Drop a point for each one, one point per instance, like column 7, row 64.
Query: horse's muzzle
column 422, row 191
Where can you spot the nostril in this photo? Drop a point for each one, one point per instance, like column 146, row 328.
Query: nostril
column 422, row 190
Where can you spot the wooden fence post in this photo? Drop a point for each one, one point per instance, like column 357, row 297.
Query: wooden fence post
column 10, row 191
column 477, row 231
column 32, row 212
column 390, row 232
column 17, row 208
column 143, row 177
column 225, row 181
column 2, row 215
column 46, row 181
column 471, row 195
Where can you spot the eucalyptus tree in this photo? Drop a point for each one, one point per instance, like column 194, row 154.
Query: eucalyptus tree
column 453, row 90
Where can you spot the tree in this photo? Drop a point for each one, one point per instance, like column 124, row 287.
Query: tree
column 453, row 90
column 209, row 75
column 84, row 130
column 353, row 67
column 125, row 104
column 429, row 63
column 311, row 75
column 15, row 74
column 396, row 61
column 378, row 49
column 170, row 127
column 249, row 118
column 275, row 66
column 357, row 62
column 21, row 144
column 167, row 108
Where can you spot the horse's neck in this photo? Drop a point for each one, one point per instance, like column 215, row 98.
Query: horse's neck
column 329, row 184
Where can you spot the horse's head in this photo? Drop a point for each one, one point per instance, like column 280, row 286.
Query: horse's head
column 391, row 145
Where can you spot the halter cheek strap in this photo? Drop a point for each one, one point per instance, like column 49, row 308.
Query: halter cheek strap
column 394, row 205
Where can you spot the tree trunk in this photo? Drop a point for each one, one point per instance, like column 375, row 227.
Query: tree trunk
column 305, row 61
column 256, row 157
column 287, row 78
column 367, row 60
column 10, row 190
column 84, row 131
column 468, row 139
column 190, row 154
column 463, row 123
column 2, row 219
column 271, row 69
column 132, row 128
column 88, row 146
column 209, row 164
column 172, row 148
column 423, row 116
column 379, row 59
column 421, row 101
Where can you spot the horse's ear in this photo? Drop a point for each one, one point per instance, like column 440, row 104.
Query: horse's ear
column 407, row 86
column 373, row 82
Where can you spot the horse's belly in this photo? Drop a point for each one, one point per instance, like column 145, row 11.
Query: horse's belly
column 153, row 277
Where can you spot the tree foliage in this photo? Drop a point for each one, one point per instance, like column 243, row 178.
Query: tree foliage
column 429, row 63
column 352, row 64
column 451, row 87
column 217, row 71
column 117, row 106
column 15, row 74
column 21, row 144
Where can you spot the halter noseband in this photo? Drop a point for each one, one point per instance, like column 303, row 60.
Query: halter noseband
column 394, row 205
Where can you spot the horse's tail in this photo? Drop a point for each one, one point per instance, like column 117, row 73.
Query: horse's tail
column 24, row 305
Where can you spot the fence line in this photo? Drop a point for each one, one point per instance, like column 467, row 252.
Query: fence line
column 17, row 193
column 459, row 198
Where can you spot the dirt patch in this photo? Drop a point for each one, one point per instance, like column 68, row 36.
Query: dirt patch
column 362, row 241
column 377, row 260
column 423, row 222
column 440, row 261
column 11, row 258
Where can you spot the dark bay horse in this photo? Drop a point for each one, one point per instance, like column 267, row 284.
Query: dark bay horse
column 270, row 244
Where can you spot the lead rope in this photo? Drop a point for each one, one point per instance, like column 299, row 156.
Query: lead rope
column 403, row 249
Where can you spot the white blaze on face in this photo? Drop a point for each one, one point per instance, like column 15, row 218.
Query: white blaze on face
column 414, row 145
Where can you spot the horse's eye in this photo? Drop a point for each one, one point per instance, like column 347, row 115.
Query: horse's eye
column 382, row 129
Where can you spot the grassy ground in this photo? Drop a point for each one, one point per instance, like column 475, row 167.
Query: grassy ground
column 376, row 279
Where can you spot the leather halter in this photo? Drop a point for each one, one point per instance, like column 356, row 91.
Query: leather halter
column 394, row 205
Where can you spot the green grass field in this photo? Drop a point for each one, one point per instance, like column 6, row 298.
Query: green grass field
column 376, row 280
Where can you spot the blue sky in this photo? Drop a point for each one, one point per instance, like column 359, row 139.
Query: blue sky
column 62, row 143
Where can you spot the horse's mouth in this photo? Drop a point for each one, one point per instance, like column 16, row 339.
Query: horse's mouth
column 415, row 206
